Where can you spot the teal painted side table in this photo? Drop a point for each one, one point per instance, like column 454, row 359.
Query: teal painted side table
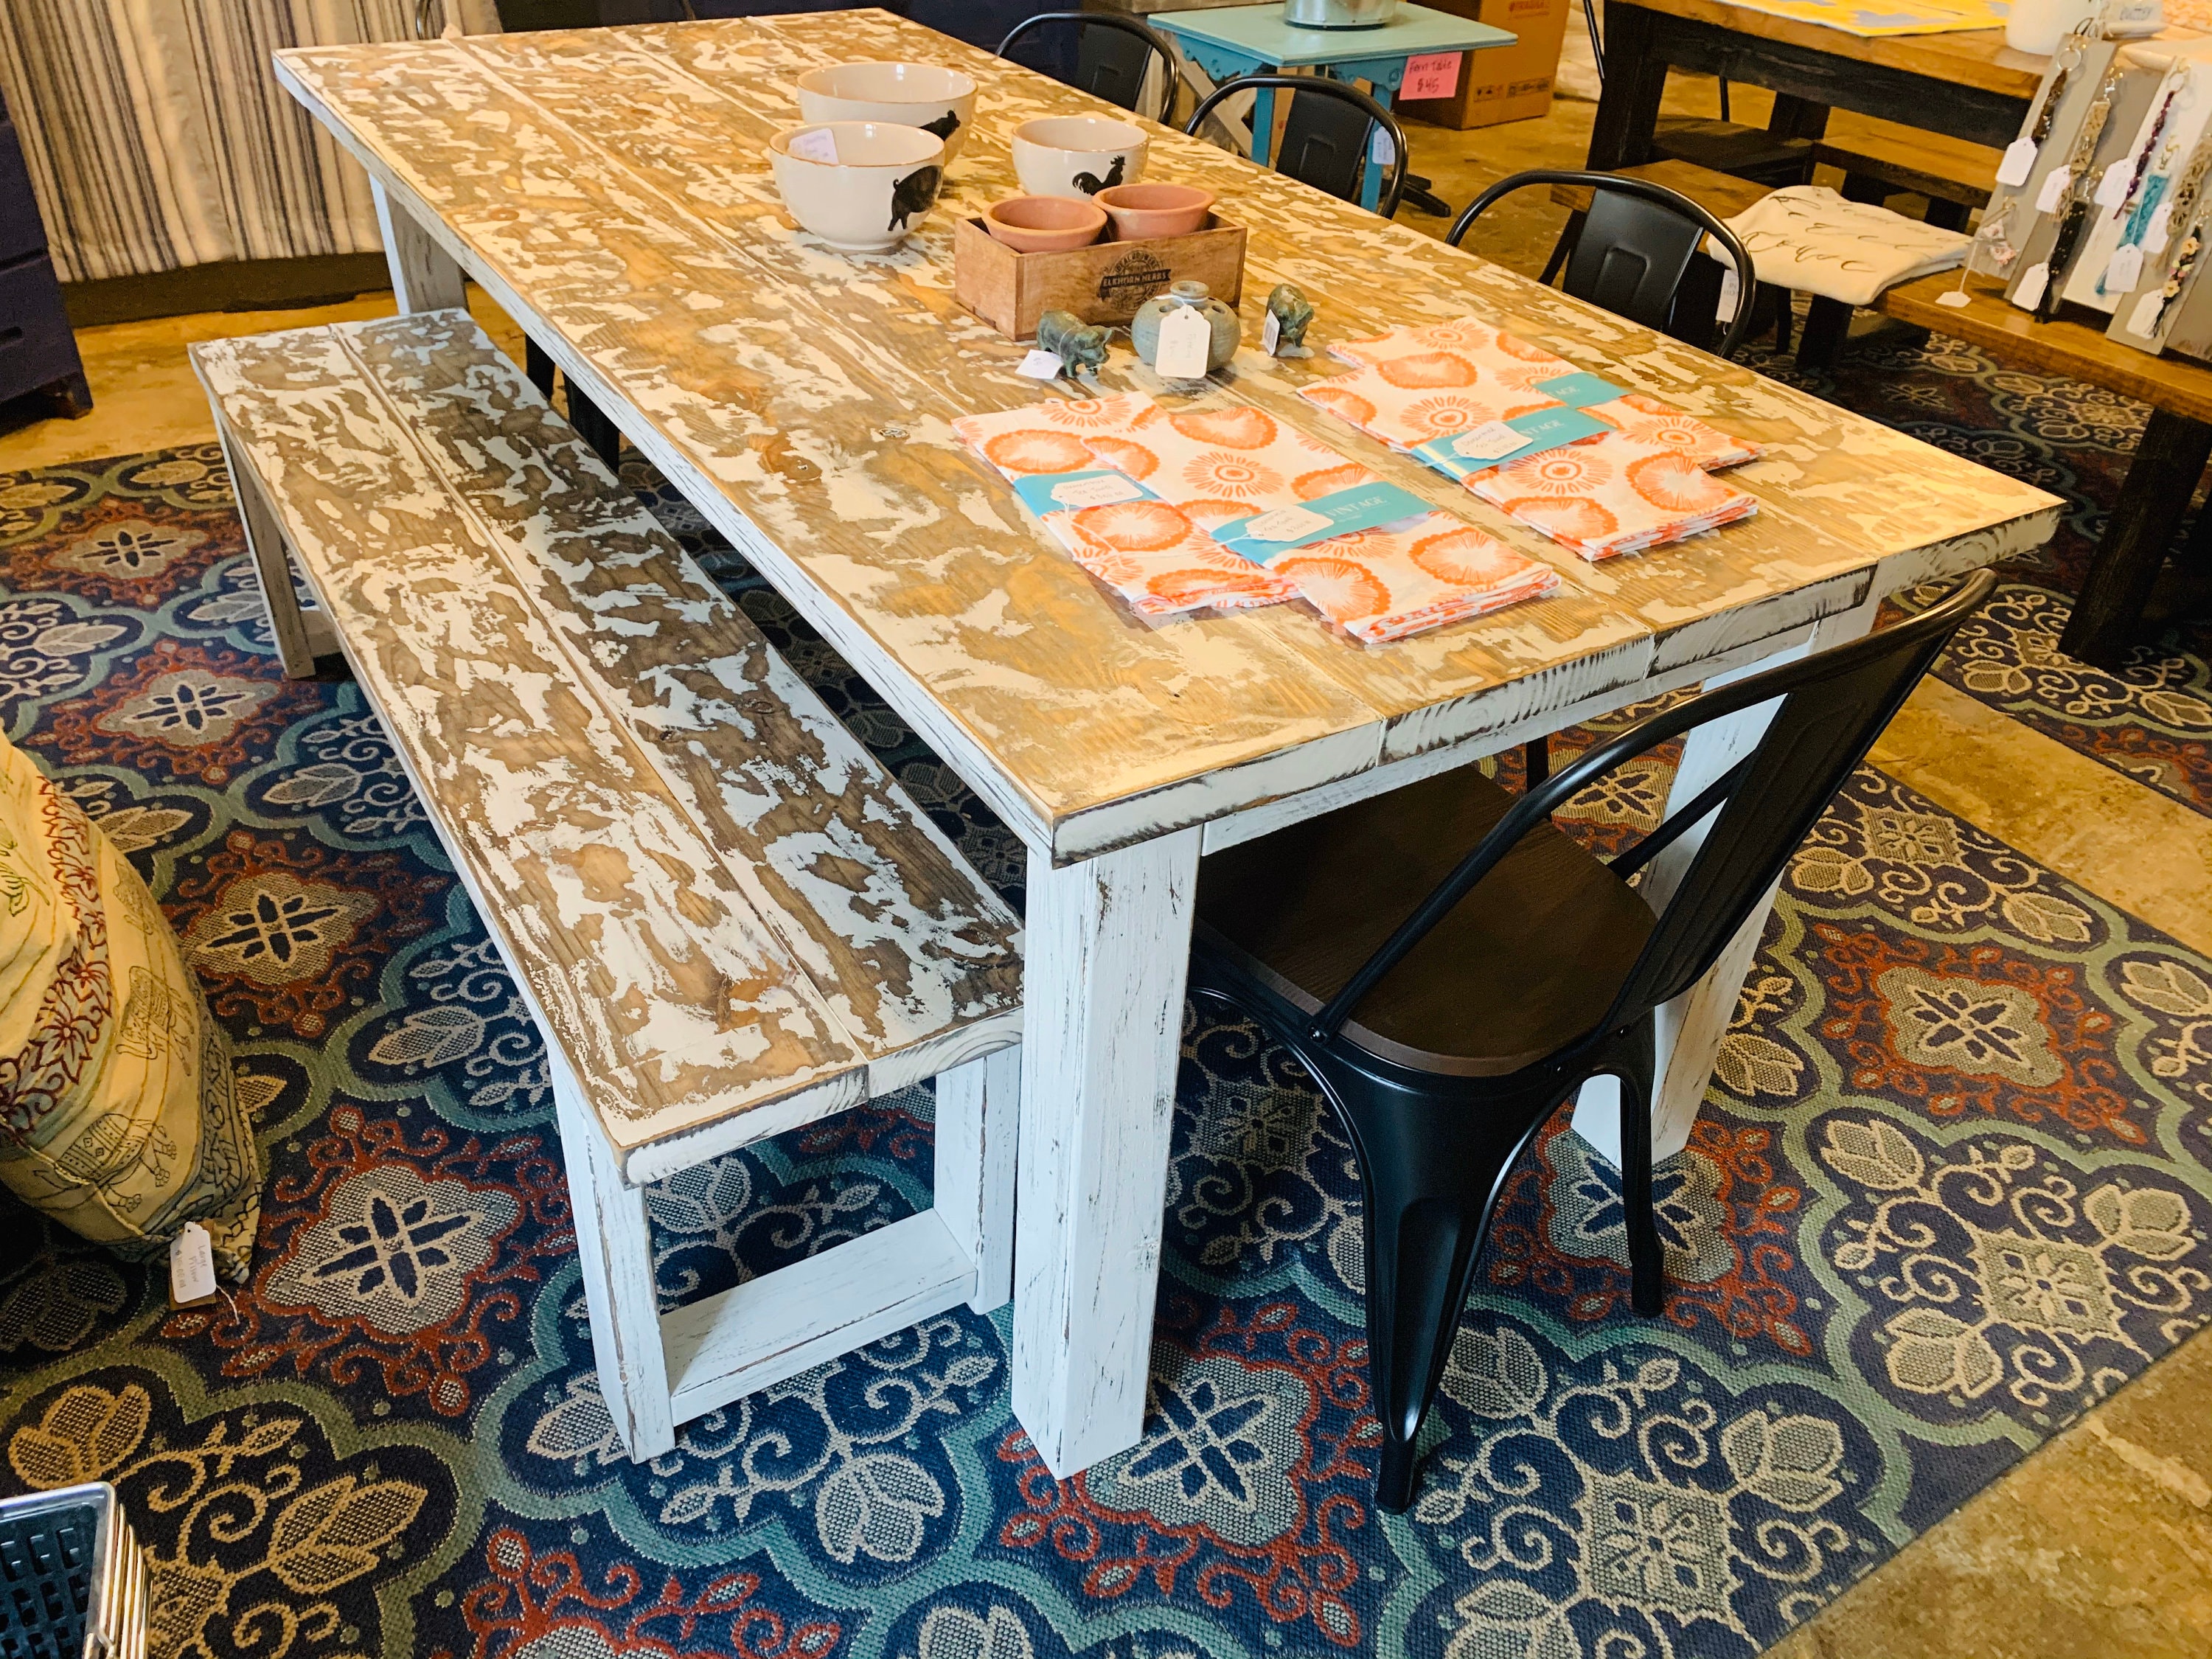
column 1229, row 41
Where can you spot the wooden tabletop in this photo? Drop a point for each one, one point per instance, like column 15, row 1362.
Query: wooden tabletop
column 1971, row 58
column 611, row 189
column 2072, row 343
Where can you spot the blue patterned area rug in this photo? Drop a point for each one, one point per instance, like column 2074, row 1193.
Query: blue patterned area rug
column 1953, row 1186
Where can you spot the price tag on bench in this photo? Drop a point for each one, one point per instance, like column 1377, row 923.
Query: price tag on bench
column 1060, row 492
column 1463, row 454
column 1364, row 507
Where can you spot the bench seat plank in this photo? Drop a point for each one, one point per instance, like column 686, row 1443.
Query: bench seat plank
column 917, row 958
column 675, row 1005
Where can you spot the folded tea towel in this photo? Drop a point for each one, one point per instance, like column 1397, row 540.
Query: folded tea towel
column 1416, row 384
column 1614, row 494
column 1808, row 238
column 1212, row 463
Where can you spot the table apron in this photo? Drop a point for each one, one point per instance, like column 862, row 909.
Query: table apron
column 1840, row 82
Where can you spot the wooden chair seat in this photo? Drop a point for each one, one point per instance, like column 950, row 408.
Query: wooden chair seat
column 1527, row 963
column 727, row 920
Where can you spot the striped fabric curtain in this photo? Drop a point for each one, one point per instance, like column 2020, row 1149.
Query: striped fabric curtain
column 157, row 134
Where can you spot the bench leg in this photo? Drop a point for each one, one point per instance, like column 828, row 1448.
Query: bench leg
column 614, row 1243
column 424, row 277
column 594, row 428
column 978, row 1116
column 265, row 540
column 1826, row 322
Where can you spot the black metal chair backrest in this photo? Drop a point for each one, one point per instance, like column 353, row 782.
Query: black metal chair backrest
column 1327, row 136
column 1834, row 706
column 1111, row 54
column 1634, row 250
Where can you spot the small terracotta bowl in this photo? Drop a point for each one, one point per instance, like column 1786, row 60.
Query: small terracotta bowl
column 1143, row 210
column 1044, row 224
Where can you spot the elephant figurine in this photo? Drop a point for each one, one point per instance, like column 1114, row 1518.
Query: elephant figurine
column 1293, row 314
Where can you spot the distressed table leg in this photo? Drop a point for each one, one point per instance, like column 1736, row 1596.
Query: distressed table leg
column 424, row 277
column 978, row 1118
column 1107, row 953
column 1690, row 1027
column 614, row 1245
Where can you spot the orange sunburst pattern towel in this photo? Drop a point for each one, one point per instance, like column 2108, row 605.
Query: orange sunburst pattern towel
column 1149, row 552
column 1217, row 463
column 1413, row 384
column 1614, row 494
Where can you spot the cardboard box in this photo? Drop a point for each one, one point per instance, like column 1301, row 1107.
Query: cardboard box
column 1501, row 83
column 1104, row 282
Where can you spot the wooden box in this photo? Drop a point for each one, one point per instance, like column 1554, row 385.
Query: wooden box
column 1104, row 282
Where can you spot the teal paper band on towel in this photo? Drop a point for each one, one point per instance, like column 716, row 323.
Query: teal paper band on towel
column 1364, row 507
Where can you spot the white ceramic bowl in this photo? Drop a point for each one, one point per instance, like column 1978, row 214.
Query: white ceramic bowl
column 1077, row 155
column 882, row 183
column 926, row 95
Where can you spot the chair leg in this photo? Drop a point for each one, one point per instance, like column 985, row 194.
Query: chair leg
column 1647, row 1262
column 1429, row 1171
column 1536, row 761
column 1561, row 248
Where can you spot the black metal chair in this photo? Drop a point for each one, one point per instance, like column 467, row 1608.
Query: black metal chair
column 1447, row 1001
column 1112, row 55
column 1327, row 136
column 1634, row 252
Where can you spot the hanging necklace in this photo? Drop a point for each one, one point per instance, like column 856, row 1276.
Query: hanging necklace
column 2151, row 310
column 2075, row 205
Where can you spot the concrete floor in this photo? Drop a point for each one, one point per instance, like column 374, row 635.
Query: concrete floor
column 2099, row 1544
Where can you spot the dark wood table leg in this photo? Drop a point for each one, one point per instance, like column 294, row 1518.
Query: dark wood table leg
column 594, row 428
column 2169, row 460
column 1635, row 80
column 1797, row 117
column 538, row 364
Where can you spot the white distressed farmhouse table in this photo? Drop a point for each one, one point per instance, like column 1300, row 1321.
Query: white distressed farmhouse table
column 610, row 190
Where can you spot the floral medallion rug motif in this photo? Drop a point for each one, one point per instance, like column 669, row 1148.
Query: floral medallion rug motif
column 1953, row 1186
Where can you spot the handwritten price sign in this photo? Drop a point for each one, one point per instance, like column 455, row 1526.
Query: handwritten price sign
column 1431, row 75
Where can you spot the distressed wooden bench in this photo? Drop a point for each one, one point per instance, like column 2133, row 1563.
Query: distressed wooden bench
column 727, row 918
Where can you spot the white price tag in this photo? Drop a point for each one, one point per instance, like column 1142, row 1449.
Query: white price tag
column 818, row 145
column 1488, row 441
column 2019, row 161
column 1185, row 335
column 2142, row 321
column 1040, row 366
column 1726, row 307
column 2112, row 188
column 2160, row 227
column 1270, row 333
column 1957, row 299
column 1096, row 492
column 2056, row 183
column 1287, row 523
column 2032, row 281
column 191, row 1266
column 1379, row 149
column 2124, row 271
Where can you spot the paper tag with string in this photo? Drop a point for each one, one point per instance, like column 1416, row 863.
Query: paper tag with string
column 1185, row 334
column 2019, row 161
column 191, row 1267
column 2032, row 281
column 2056, row 183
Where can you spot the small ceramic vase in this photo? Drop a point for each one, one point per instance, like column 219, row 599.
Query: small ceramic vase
column 1145, row 326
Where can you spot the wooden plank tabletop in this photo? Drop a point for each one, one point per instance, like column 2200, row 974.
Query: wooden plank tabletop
column 2073, row 343
column 1971, row 58
column 611, row 189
